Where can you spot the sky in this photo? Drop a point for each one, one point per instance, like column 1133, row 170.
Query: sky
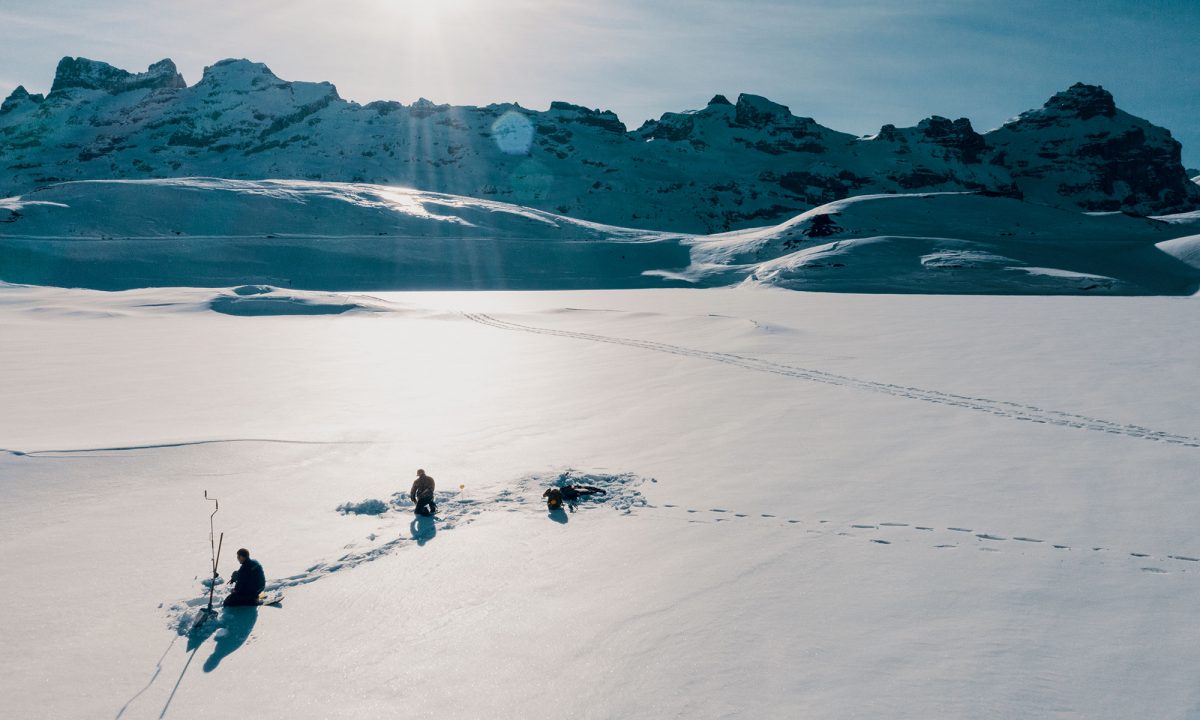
column 852, row 67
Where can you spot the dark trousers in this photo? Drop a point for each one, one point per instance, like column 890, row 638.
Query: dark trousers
column 426, row 506
column 241, row 600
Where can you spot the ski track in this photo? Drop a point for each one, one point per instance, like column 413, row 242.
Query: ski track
column 1001, row 408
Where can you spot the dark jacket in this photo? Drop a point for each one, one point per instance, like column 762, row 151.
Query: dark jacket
column 250, row 580
column 422, row 487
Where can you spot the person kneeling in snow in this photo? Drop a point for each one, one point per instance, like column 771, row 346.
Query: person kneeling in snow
column 248, row 581
column 422, row 494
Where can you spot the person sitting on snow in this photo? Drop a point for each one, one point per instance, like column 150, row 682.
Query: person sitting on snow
column 248, row 581
column 422, row 495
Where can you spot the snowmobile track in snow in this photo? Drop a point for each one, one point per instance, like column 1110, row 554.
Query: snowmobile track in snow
column 1001, row 408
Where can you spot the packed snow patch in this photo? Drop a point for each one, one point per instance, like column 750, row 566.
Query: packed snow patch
column 364, row 507
column 253, row 290
column 281, row 305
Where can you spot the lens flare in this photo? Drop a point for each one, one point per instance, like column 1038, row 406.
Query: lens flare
column 513, row 133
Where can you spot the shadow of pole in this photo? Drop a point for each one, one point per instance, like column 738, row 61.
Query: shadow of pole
column 232, row 631
column 183, row 672
column 157, row 671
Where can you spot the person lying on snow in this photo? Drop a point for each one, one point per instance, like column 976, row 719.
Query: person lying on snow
column 248, row 581
column 555, row 496
column 422, row 494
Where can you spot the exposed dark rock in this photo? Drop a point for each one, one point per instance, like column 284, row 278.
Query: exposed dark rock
column 888, row 133
column 95, row 75
column 957, row 135
column 603, row 119
column 1084, row 101
column 423, row 108
column 18, row 97
column 822, row 226
column 820, row 189
column 758, row 112
column 672, row 126
column 384, row 107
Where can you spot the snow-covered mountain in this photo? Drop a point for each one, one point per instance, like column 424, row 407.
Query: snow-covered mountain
column 726, row 166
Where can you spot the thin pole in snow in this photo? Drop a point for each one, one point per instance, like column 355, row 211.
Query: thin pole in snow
column 216, row 550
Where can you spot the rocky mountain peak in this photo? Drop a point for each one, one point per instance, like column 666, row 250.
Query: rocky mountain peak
column 757, row 111
column 19, row 96
column 604, row 119
column 719, row 100
column 239, row 72
column 1083, row 101
column 95, row 75
column 956, row 134
column 240, row 76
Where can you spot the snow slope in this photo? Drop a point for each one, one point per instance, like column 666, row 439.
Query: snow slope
column 212, row 232
column 821, row 506
column 118, row 234
column 956, row 243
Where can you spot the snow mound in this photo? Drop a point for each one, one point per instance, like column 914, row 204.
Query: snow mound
column 953, row 243
column 923, row 265
column 1184, row 249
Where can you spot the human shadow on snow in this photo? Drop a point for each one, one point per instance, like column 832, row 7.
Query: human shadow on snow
column 423, row 529
column 236, row 624
column 231, row 629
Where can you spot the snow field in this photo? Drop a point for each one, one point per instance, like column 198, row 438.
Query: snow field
column 779, row 567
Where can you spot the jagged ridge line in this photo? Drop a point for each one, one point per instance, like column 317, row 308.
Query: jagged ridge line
column 1001, row 408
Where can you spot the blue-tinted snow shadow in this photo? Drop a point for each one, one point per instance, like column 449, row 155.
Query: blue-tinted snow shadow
column 236, row 624
column 558, row 515
column 423, row 529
